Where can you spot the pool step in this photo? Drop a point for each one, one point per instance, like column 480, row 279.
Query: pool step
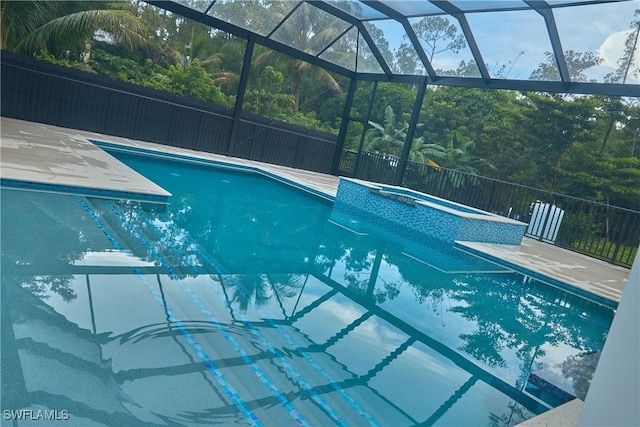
column 565, row 381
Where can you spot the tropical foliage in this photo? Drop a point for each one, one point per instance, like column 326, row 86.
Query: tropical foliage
column 68, row 28
column 387, row 138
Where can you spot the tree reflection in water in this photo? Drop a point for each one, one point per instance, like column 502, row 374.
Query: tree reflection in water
column 362, row 273
column 259, row 289
column 265, row 250
column 514, row 416
column 502, row 318
column 45, row 234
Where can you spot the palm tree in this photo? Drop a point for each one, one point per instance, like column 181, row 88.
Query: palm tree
column 308, row 33
column 251, row 288
column 258, row 289
column 200, row 47
column 457, row 156
column 386, row 138
column 390, row 139
column 425, row 153
column 56, row 27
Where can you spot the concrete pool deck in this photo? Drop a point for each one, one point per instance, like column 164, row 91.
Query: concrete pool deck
column 47, row 154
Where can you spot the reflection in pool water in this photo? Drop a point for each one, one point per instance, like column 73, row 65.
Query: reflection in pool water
column 241, row 302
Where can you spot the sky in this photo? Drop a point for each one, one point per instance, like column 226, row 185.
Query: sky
column 518, row 39
column 613, row 48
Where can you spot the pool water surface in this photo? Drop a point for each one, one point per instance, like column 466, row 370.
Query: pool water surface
column 242, row 301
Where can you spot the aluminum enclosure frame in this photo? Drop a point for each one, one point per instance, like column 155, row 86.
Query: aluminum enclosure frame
column 564, row 85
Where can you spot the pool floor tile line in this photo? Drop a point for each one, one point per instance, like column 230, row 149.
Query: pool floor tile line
column 231, row 393
column 261, row 375
column 314, row 395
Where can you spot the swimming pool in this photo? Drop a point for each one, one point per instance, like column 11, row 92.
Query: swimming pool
column 241, row 302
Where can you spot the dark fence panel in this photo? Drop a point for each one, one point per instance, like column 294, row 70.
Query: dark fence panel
column 315, row 154
column 153, row 121
column 213, row 134
column 186, row 128
column 347, row 163
column 376, row 167
column 117, row 111
column 606, row 232
column 47, row 93
column 283, row 149
column 260, row 138
column 247, row 143
column 81, row 105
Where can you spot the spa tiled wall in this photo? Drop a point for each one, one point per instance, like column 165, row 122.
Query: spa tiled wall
column 356, row 199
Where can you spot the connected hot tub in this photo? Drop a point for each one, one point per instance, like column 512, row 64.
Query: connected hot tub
column 408, row 211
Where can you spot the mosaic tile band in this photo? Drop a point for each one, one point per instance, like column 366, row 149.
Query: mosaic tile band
column 405, row 213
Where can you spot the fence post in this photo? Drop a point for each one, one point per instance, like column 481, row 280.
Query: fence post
column 408, row 142
column 242, row 86
column 619, row 238
column 342, row 135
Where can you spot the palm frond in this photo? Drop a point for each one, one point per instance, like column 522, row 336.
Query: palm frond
column 376, row 126
column 329, row 81
column 301, row 67
column 389, row 116
column 20, row 18
column 213, row 61
column 264, row 57
column 123, row 5
column 225, row 78
column 122, row 25
column 435, row 151
column 325, row 37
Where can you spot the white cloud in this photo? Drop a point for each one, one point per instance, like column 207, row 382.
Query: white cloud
column 612, row 48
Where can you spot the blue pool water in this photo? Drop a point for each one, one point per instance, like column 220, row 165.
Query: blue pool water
column 242, row 302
